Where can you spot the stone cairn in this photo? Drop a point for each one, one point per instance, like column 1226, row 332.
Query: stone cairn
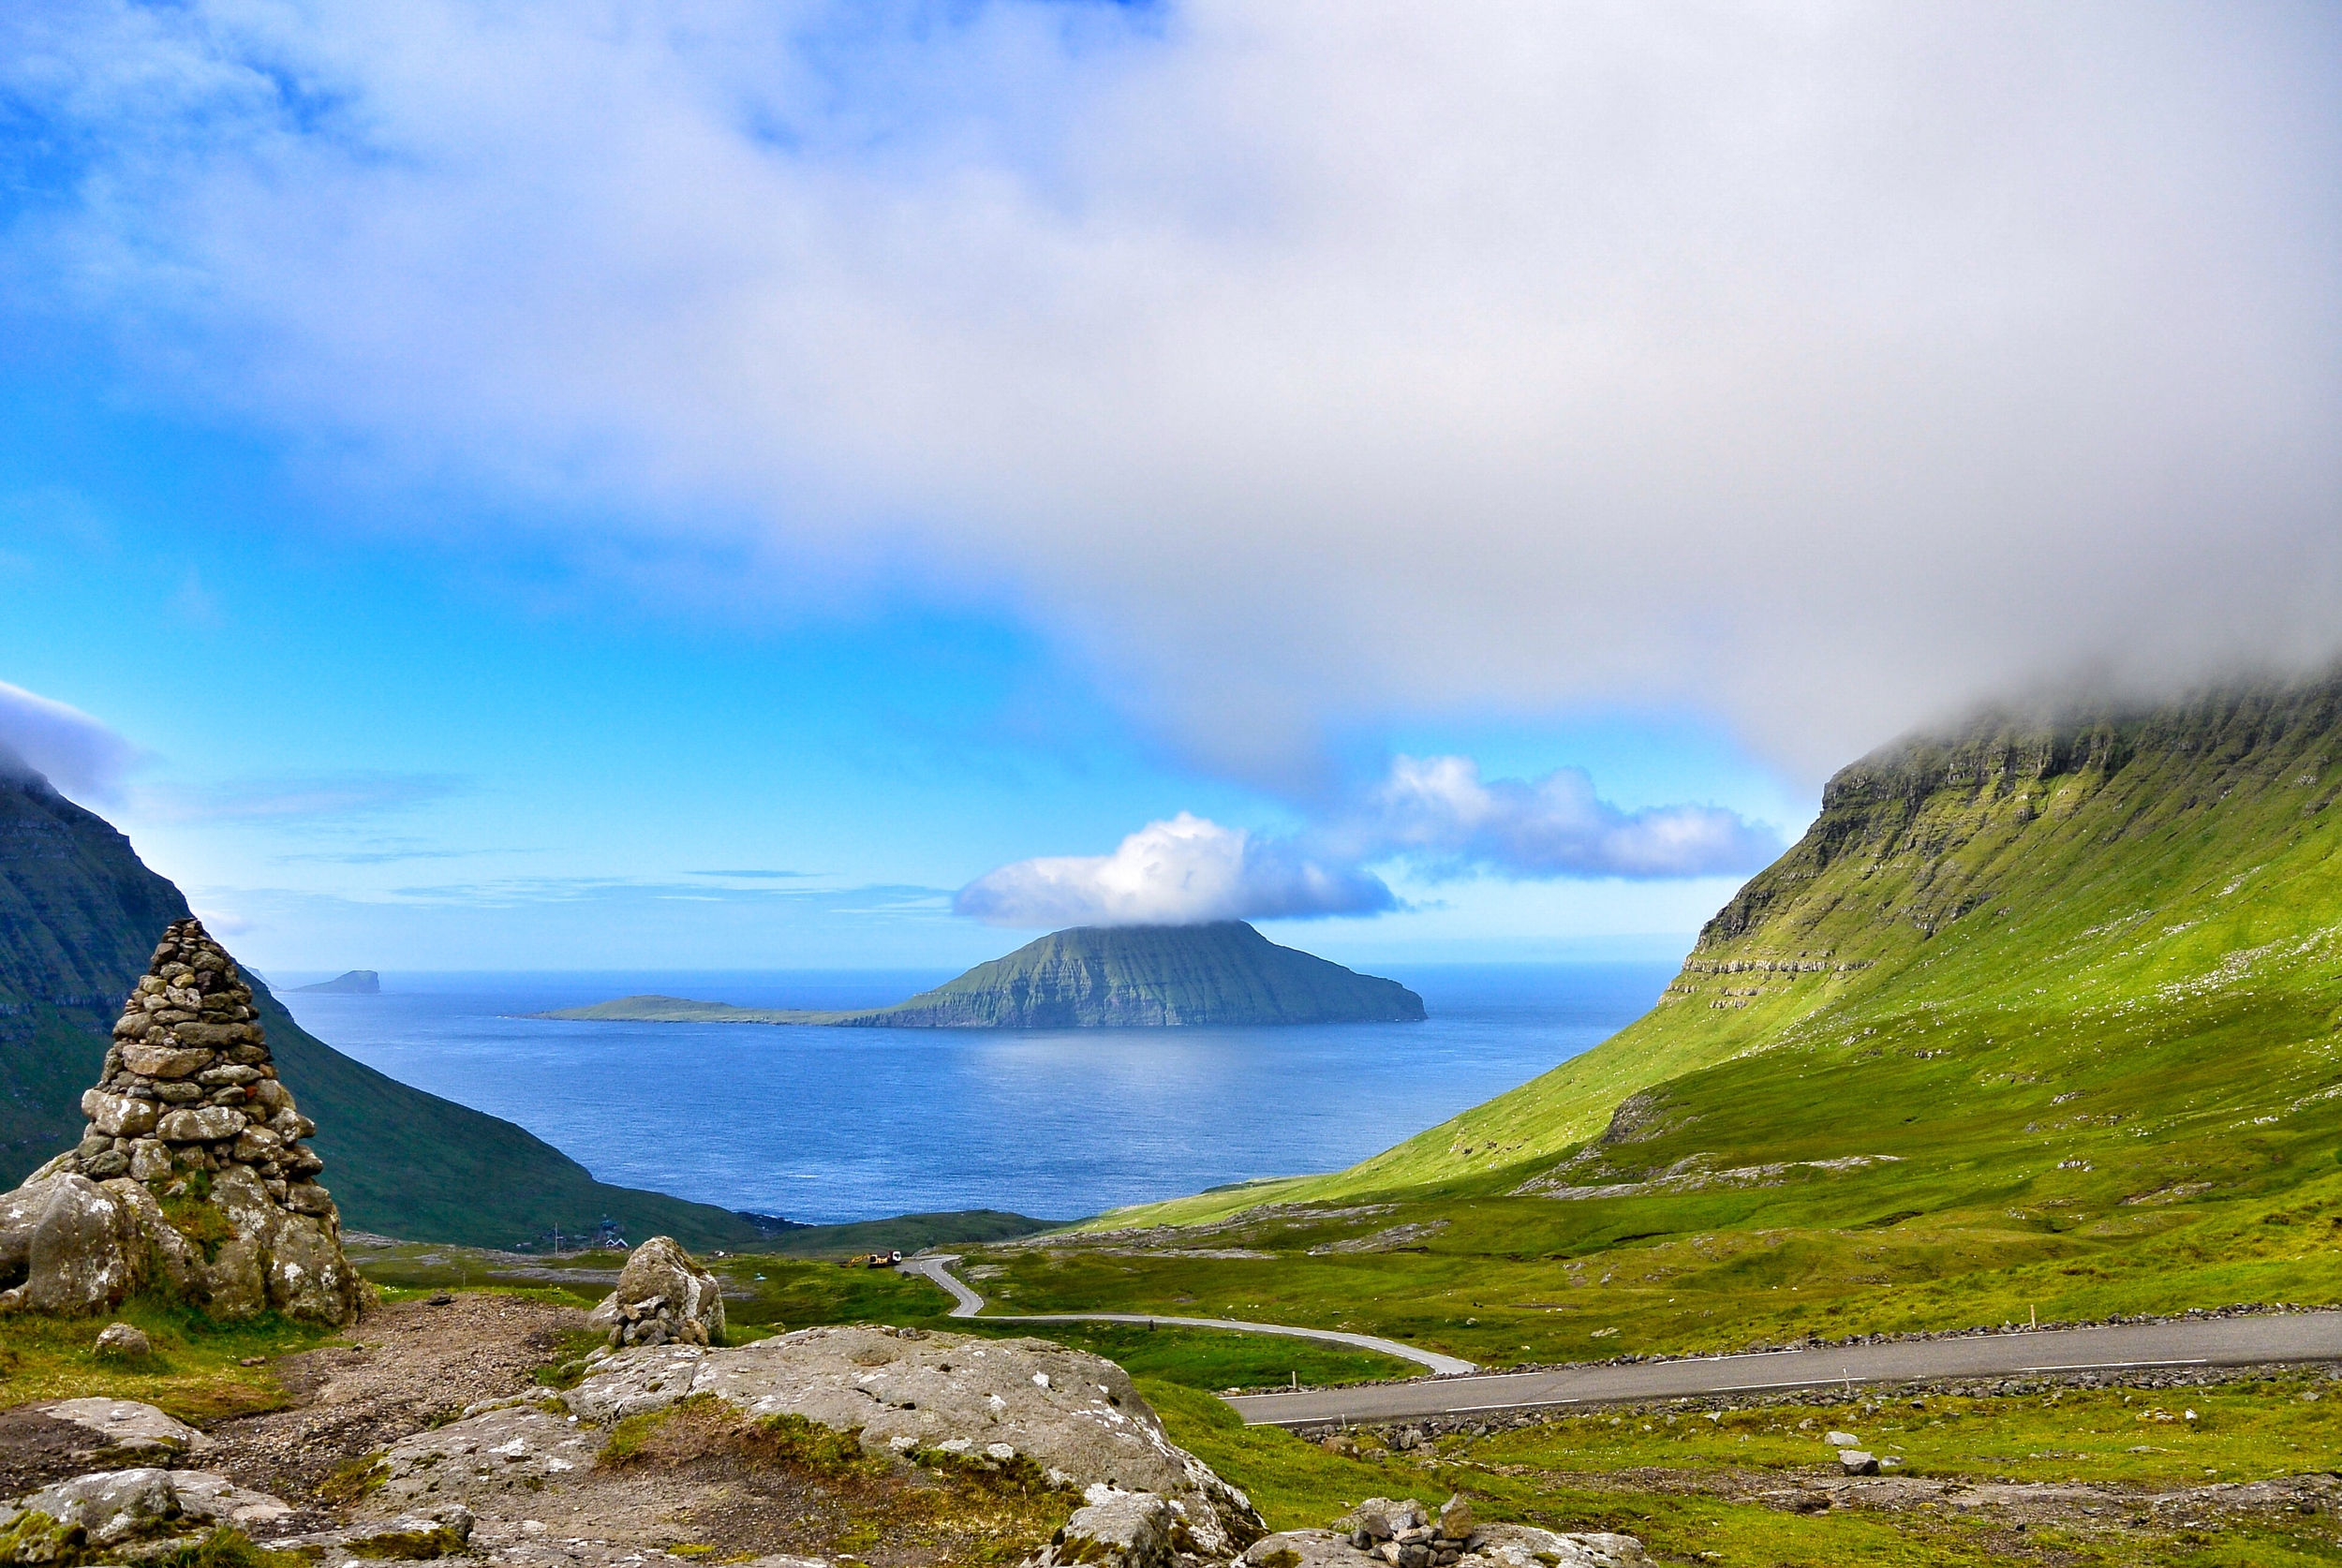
column 189, row 1086
column 189, row 1112
column 664, row 1295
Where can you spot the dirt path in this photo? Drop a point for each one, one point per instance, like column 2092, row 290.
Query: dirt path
column 408, row 1367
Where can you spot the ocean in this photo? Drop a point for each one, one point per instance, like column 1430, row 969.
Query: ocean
column 823, row 1125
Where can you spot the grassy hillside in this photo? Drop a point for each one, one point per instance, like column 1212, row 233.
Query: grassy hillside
column 79, row 916
column 2041, row 1012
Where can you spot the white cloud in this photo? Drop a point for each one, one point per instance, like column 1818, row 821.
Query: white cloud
column 1435, row 814
column 1818, row 365
column 1183, row 872
column 74, row 752
column 1438, row 811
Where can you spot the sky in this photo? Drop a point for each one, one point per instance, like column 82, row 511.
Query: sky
column 776, row 485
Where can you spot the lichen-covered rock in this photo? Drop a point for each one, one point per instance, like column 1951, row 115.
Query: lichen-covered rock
column 1071, row 1417
column 637, row 1382
column 1122, row 1529
column 125, row 1428
column 517, row 1448
column 192, row 1175
column 664, row 1295
column 78, row 1248
column 439, row 1532
column 112, row 1509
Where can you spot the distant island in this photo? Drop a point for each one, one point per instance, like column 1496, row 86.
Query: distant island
column 1096, row 977
column 357, row 982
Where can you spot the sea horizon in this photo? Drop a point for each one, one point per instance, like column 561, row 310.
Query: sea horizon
column 822, row 1125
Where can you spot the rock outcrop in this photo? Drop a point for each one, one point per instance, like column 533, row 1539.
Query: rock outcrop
column 1025, row 1410
column 664, row 1295
column 193, row 1175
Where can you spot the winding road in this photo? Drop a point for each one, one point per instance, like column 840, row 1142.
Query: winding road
column 1463, row 1389
column 966, row 1303
column 2258, row 1339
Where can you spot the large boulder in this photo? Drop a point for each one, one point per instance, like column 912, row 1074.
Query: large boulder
column 664, row 1295
column 78, row 1248
column 192, row 1177
column 1063, row 1416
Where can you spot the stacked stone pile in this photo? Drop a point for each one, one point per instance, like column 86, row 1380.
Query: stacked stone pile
column 193, row 1172
column 663, row 1297
column 188, row 1085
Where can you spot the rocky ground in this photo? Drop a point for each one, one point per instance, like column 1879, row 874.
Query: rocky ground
column 427, row 1435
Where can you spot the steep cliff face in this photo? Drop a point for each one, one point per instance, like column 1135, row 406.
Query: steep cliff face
column 79, row 915
column 1145, row 976
column 2134, row 901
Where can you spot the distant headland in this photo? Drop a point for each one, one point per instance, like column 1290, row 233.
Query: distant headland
column 357, row 982
column 1096, row 977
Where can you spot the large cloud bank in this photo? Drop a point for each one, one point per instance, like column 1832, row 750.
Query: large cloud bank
column 47, row 739
column 1821, row 365
column 1435, row 814
column 1440, row 812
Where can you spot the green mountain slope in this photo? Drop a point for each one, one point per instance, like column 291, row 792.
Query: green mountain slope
column 1098, row 977
column 2029, row 882
column 2041, row 1013
column 79, row 915
column 1114, row 977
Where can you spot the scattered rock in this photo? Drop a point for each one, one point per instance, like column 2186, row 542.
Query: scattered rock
column 124, row 1343
column 1855, row 1462
column 1842, row 1440
column 663, row 1297
column 192, row 1175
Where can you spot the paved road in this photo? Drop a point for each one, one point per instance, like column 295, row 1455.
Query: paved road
column 2204, row 1342
column 966, row 1303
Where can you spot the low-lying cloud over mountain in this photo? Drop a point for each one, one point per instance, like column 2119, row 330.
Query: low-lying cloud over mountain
column 1182, row 872
column 1818, row 366
column 76, row 753
column 1436, row 813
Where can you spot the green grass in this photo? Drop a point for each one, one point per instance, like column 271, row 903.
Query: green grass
column 1604, row 1472
column 2244, row 1431
column 195, row 1372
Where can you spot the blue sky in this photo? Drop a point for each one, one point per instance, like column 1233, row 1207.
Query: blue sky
column 708, row 484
